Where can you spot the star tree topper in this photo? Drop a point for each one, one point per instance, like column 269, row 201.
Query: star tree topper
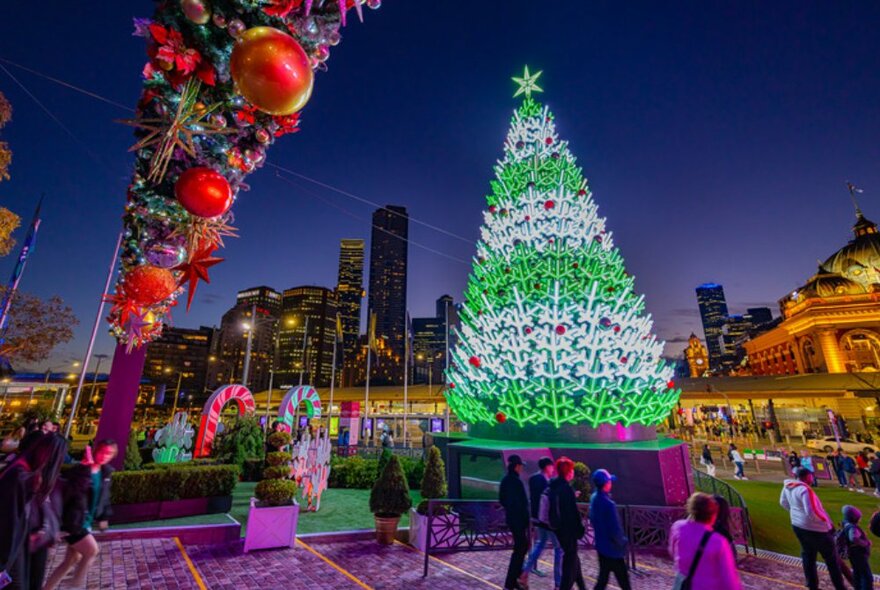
column 528, row 83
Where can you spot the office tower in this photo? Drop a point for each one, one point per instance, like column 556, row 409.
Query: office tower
column 429, row 347
column 713, row 312
column 232, row 345
column 349, row 292
column 734, row 333
column 387, row 293
column 181, row 354
column 759, row 315
column 310, row 312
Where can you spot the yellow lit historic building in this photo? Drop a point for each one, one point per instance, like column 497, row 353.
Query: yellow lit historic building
column 832, row 323
column 697, row 357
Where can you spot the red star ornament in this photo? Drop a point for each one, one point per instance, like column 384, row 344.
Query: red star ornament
column 197, row 268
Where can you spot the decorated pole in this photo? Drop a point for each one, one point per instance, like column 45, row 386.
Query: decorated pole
column 30, row 242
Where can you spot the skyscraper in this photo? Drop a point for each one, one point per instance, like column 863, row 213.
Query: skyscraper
column 181, row 355
column 713, row 312
column 318, row 306
column 349, row 292
column 387, row 295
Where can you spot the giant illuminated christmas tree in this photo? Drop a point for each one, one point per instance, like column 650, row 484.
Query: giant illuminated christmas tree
column 552, row 331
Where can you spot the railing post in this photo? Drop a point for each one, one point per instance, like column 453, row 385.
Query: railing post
column 428, row 536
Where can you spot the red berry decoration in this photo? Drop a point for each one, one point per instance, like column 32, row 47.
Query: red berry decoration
column 474, row 361
column 549, row 141
column 597, row 239
column 537, row 285
column 501, row 417
column 549, row 204
column 560, row 329
column 203, row 192
column 451, row 386
column 670, row 384
column 623, row 360
column 582, row 193
column 616, row 329
column 528, row 330
column 148, row 285
column 528, row 218
column 550, row 240
column 492, row 209
column 574, row 265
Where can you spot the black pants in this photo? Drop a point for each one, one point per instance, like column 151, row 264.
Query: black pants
column 813, row 542
column 616, row 565
column 38, row 568
column 862, row 577
column 571, row 564
column 518, row 557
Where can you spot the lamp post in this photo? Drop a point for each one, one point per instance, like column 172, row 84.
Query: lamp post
column 249, row 328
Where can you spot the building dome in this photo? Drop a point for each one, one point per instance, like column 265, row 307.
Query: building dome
column 825, row 284
column 859, row 260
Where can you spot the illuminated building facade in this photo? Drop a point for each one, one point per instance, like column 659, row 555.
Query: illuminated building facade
column 831, row 324
column 349, row 293
column 388, row 271
column 181, row 353
column 697, row 357
column 316, row 308
column 713, row 313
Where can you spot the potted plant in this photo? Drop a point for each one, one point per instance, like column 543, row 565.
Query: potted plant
column 273, row 513
column 433, row 486
column 389, row 498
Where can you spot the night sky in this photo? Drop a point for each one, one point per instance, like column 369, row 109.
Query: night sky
column 716, row 136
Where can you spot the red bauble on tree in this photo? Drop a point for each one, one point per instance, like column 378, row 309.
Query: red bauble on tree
column 148, row 285
column 501, row 417
column 474, row 361
column 271, row 71
column 203, row 192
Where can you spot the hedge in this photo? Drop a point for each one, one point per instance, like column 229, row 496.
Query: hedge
column 360, row 473
column 178, row 482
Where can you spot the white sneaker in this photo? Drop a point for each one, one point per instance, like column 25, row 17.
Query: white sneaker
column 876, row 493
column 744, row 477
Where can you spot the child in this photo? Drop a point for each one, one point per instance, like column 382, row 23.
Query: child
column 859, row 548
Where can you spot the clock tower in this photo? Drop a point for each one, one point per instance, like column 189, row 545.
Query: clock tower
column 697, row 357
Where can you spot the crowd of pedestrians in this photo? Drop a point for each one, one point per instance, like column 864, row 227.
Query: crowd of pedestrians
column 41, row 507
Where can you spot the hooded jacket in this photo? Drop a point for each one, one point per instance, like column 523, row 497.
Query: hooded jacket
column 804, row 507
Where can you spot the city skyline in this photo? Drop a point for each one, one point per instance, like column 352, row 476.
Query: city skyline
column 800, row 132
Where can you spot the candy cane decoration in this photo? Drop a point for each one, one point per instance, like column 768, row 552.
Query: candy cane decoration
column 211, row 414
column 295, row 396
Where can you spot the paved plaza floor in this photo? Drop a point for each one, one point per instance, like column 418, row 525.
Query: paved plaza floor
column 166, row 564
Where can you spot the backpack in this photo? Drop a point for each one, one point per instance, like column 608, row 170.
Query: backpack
column 841, row 542
column 548, row 509
column 874, row 526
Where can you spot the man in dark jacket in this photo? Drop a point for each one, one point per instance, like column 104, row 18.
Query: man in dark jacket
column 566, row 519
column 537, row 484
column 609, row 538
column 512, row 495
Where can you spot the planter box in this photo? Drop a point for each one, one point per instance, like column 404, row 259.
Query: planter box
column 125, row 513
column 445, row 530
column 271, row 526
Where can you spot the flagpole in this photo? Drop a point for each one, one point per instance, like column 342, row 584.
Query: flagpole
column 446, row 356
column 367, row 389
column 332, row 382
column 30, row 242
column 405, row 374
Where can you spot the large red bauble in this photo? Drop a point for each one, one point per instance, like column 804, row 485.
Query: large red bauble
column 474, row 361
column 501, row 417
column 271, row 71
column 148, row 285
column 203, row 192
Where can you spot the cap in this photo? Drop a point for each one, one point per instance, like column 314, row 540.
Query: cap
column 513, row 460
column 601, row 477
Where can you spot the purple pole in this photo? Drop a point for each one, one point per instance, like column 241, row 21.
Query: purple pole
column 121, row 398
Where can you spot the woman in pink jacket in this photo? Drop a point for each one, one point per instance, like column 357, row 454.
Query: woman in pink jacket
column 702, row 557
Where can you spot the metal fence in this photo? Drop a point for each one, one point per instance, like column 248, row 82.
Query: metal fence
column 740, row 522
column 479, row 525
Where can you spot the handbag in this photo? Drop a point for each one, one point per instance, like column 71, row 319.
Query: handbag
column 684, row 582
column 50, row 527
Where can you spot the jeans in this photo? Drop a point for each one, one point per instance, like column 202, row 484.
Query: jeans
column 571, row 565
column 520, row 548
column 863, row 579
column 616, row 565
column 545, row 535
column 841, row 477
column 813, row 542
column 739, row 469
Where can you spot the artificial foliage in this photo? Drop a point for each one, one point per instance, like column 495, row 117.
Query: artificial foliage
column 434, row 480
column 223, row 80
column 133, row 459
column 390, row 494
column 276, row 487
column 242, row 439
column 552, row 331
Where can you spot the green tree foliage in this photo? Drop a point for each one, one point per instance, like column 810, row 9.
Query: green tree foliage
column 434, row 480
column 132, row 453
column 581, row 482
column 241, row 440
column 390, row 494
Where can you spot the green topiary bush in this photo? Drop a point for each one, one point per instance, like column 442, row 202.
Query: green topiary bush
column 242, row 439
column 278, row 458
column 132, row 460
column 434, row 479
column 275, row 492
column 581, row 482
column 176, row 482
column 390, row 494
column 279, row 439
column 384, row 457
column 276, row 472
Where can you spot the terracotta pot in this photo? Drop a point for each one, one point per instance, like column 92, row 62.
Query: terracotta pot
column 386, row 529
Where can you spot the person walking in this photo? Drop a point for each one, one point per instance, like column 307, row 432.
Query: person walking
column 608, row 534
column 794, row 462
column 738, row 461
column 812, row 527
column 703, row 558
column 512, row 496
column 858, row 549
column 850, row 469
column 537, row 484
column 28, row 478
column 706, row 460
column 875, row 473
column 566, row 519
column 86, row 505
column 834, row 462
column 807, row 463
column 863, row 463
column 722, row 522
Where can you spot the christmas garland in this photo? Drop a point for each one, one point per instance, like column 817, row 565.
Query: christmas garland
column 224, row 80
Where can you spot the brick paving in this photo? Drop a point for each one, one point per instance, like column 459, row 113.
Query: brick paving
column 159, row 564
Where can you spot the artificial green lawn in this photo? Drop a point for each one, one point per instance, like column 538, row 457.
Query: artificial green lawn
column 771, row 523
column 341, row 510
